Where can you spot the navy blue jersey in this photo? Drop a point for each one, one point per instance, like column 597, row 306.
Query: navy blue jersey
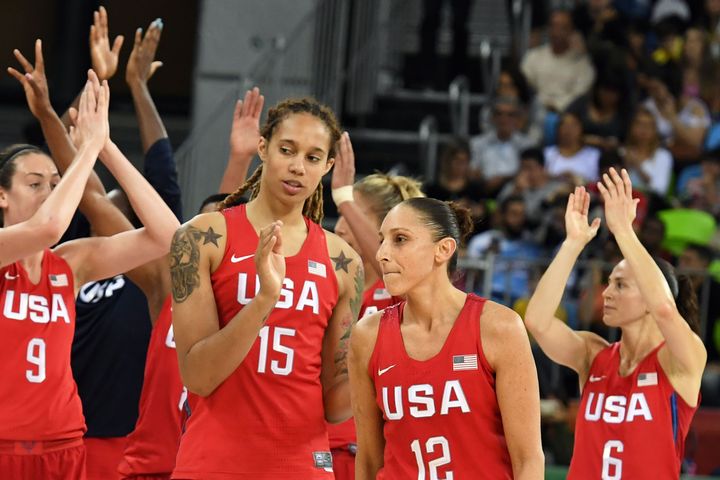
column 108, row 354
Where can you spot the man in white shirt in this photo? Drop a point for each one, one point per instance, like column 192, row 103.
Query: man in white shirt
column 558, row 72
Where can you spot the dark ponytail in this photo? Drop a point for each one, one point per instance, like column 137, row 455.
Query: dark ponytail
column 684, row 294
column 444, row 219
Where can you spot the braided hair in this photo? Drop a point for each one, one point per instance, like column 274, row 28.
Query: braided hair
column 313, row 208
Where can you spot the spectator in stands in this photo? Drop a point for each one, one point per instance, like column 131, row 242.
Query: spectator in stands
column 496, row 153
column 558, row 72
column 699, row 185
column 711, row 20
column 604, row 111
column 651, row 235
column 698, row 258
column 512, row 246
column 454, row 182
column 649, row 164
column 603, row 30
column 532, row 183
column 571, row 157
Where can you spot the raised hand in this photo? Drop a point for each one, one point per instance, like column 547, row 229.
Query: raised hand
column 91, row 117
column 620, row 206
column 104, row 58
column 577, row 227
column 245, row 130
column 33, row 81
column 269, row 260
column 344, row 168
column 142, row 64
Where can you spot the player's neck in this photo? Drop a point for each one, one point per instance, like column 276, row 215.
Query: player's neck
column 264, row 210
column 638, row 339
column 33, row 264
column 433, row 302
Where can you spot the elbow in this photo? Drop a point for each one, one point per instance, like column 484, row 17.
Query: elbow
column 665, row 311
column 49, row 230
column 530, row 465
column 199, row 385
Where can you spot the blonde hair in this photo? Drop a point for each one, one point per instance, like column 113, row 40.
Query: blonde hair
column 384, row 191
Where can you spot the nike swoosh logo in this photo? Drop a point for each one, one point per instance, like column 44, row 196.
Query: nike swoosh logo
column 380, row 372
column 594, row 379
column 10, row 277
column 235, row 259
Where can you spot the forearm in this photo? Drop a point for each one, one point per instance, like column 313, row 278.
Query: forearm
column 65, row 119
column 364, row 231
column 531, row 467
column 209, row 362
column 548, row 294
column 160, row 171
column 650, row 280
column 337, row 402
column 149, row 121
column 235, row 171
column 152, row 211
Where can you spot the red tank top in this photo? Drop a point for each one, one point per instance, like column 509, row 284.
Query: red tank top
column 441, row 415
column 152, row 446
column 266, row 420
column 375, row 298
column 629, row 427
column 38, row 394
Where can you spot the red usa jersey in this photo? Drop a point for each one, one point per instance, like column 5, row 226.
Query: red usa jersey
column 267, row 420
column 38, row 396
column 375, row 298
column 629, row 427
column 152, row 446
column 442, row 418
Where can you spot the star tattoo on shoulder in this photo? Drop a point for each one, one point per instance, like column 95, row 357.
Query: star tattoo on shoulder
column 341, row 262
column 211, row 237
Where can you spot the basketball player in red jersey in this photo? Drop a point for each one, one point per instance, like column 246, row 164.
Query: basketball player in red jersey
column 365, row 203
column 639, row 394
column 263, row 302
column 41, row 422
column 443, row 384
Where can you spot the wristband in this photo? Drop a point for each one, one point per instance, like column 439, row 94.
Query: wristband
column 342, row 195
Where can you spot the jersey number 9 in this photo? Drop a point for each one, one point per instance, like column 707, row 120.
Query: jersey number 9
column 36, row 356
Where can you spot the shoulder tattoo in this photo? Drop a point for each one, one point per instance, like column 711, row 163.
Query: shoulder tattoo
column 185, row 259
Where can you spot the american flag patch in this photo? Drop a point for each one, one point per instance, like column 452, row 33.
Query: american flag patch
column 317, row 268
column 60, row 280
column 464, row 362
column 381, row 294
column 647, row 379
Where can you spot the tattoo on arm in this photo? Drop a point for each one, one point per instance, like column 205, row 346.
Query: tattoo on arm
column 341, row 262
column 185, row 259
column 348, row 321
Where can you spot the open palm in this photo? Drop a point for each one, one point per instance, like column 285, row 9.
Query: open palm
column 269, row 260
column 104, row 57
column 576, row 217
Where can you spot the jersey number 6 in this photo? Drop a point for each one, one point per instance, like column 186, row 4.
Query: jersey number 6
column 277, row 346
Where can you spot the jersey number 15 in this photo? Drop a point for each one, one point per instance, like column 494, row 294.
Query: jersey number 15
column 276, row 366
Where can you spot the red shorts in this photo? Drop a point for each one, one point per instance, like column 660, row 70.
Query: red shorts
column 50, row 460
column 148, row 477
column 343, row 464
column 103, row 457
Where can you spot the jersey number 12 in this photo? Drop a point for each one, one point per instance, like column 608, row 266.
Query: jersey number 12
column 433, row 465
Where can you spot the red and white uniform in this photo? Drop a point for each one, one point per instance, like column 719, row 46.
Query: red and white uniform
column 153, row 445
column 629, row 427
column 441, row 415
column 38, row 396
column 267, row 420
column 343, row 435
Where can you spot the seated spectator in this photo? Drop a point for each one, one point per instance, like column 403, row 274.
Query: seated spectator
column 603, row 112
column 571, row 157
column 512, row 246
column 558, row 72
column 454, row 183
column 532, row 183
column 649, row 164
column 651, row 235
column 699, row 185
column 495, row 154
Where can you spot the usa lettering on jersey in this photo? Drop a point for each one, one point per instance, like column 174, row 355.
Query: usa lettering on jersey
column 420, row 401
column 617, row 408
column 36, row 308
column 308, row 297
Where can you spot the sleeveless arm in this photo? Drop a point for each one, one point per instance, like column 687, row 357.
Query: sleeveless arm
column 207, row 354
column 368, row 417
column 334, row 375
column 47, row 225
column 508, row 351
column 364, row 232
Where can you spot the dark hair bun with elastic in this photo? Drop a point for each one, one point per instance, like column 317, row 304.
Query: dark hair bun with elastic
column 464, row 219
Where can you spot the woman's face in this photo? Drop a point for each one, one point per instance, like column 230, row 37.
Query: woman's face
column 569, row 130
column 295, row 158
column 694, row 46
column 459, row 164
column 343, row 230
column 506, row 86
column 644, row 129
column 622, row 301
column 407, row 251
column 34, row 178
column 608, row 97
